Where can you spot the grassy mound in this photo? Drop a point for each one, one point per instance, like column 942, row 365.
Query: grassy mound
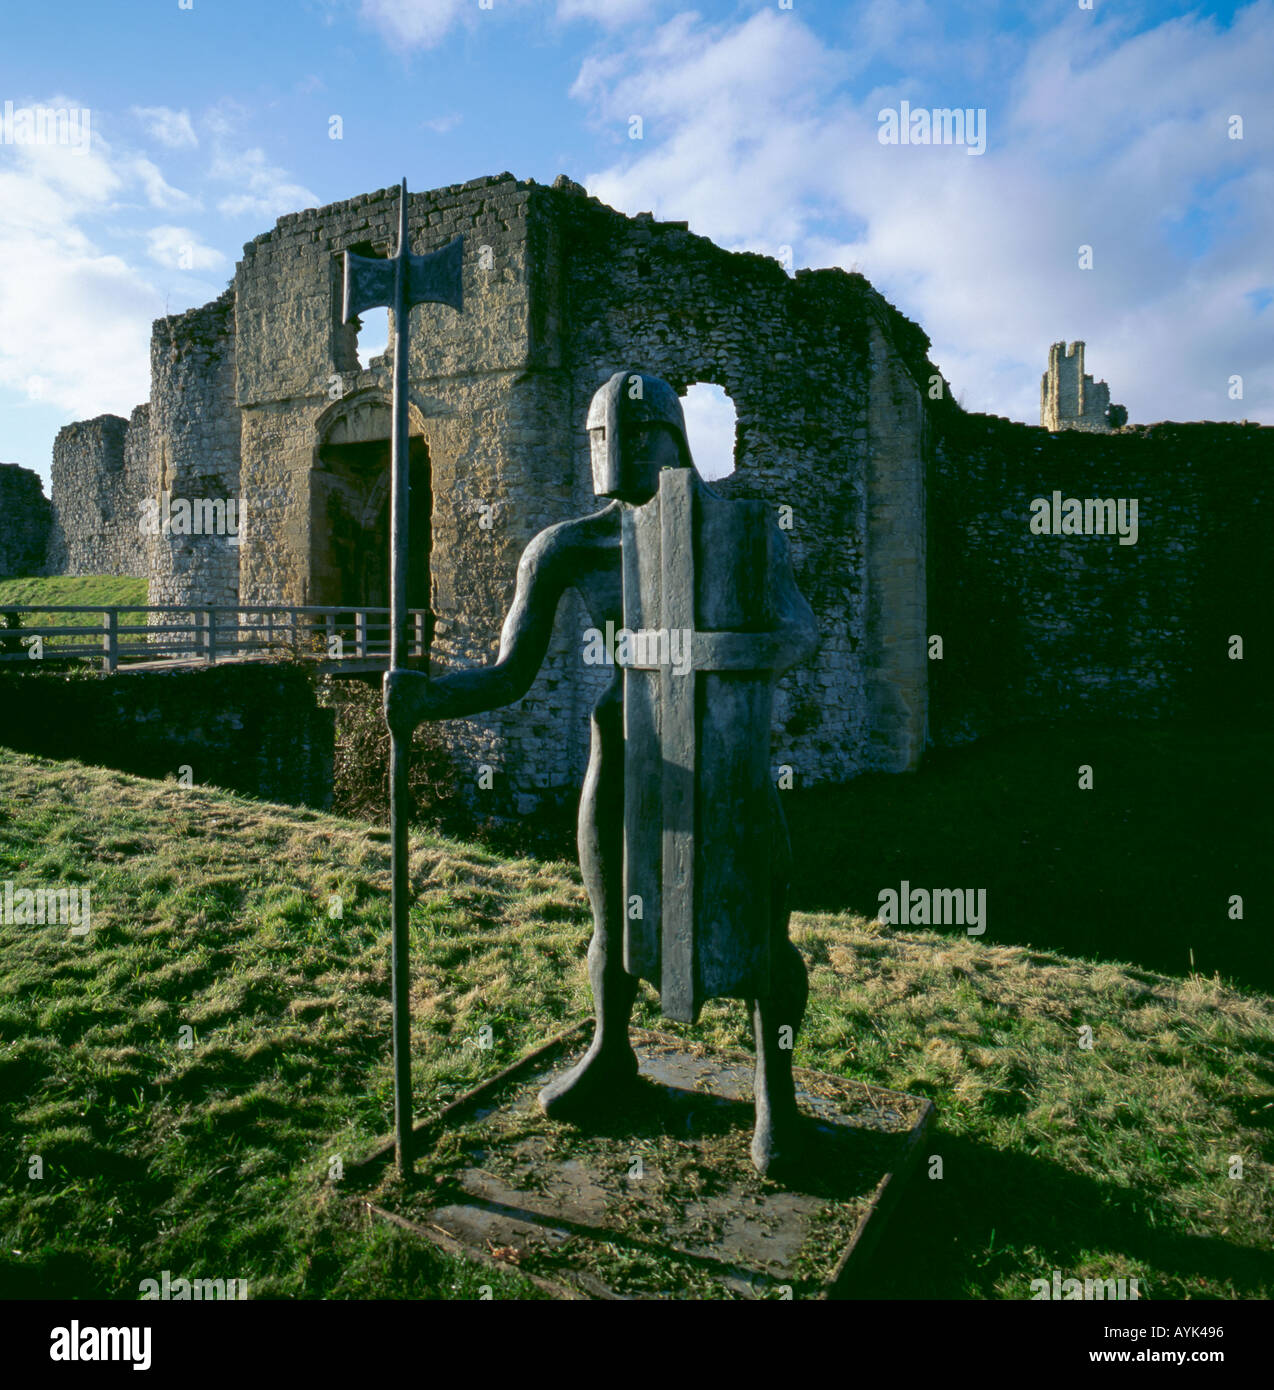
column 98, row 591
column 102, row 591
column 190, row 1071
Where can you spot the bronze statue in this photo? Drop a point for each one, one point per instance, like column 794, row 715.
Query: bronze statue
column 683, row 845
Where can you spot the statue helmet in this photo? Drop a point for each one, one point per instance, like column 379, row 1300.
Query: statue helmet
column 627, row 400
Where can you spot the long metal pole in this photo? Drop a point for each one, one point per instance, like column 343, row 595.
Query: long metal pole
column 398, row 748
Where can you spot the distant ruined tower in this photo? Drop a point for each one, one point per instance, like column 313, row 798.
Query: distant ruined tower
column 1069, row 400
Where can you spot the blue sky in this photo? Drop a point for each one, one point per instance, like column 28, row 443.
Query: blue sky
column 1108, row 127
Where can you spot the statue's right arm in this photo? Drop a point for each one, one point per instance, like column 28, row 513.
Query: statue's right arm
column 545, row 571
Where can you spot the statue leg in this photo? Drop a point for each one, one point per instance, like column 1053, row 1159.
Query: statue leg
column 609, row 1066
column 775, row 1020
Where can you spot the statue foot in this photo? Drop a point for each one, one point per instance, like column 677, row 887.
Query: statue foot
column 779, row 1144
column 599, row 1080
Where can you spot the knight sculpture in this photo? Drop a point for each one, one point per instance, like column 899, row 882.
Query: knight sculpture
column 683, row 845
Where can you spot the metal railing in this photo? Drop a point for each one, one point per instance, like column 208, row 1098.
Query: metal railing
column 125, row 635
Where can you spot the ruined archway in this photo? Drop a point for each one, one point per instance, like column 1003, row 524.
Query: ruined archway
column 350, row 509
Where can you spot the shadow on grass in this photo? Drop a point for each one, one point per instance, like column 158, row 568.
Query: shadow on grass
column 1141, row 868
column 954, row 1237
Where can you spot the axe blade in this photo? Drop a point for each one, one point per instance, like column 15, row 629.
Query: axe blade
column 435, row 278
column 369, row 284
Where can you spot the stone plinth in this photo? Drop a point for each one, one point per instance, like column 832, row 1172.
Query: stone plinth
column 660, row 1199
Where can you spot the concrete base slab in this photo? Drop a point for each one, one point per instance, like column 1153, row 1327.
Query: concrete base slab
column 659, row 1199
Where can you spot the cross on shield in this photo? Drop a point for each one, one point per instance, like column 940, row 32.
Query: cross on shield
column 698, row 834
column 397, row 284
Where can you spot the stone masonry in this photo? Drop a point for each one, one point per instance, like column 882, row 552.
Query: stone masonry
column 560, row 291
column 1070, row 400
column 24, row 521
column 194, row 450
column 1038, row 628
column 101, row 471
column 906, row 516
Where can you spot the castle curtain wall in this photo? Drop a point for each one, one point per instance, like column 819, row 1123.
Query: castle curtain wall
column 194, row 454
column 1040, row 627
column 561, row 291
column 100, row 475
column 828, row 410
column 907, row 518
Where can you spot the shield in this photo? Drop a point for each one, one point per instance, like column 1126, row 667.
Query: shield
column 698, row 648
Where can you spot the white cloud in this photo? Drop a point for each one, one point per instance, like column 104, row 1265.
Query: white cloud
column 76, row 314
column 169, row 127
column 264, row 190
column 440, row 125
column 732, row 131
column 415, row 23
column 426, row 23
column 81, row 253
column 74, row 318
column 1105, row 138
column 47, row 184
column 258, row 188
column 159, row 192
column 179, row 248
column 611, row 13
column 74, row 323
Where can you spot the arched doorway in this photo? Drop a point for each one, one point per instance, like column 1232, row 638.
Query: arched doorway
column 350, row 511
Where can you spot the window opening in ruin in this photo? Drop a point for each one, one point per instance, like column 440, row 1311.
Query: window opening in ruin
column 712, row 427
column 365, row 337
column 373, row 336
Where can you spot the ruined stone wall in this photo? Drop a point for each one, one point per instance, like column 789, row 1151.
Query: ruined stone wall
column 27, row 515
column 256, row 730
column 895, row 660
column 194, row 452
column 906, row 517
column 100, row 475
column 561, row 291
column 137, row 484
column 830, row 429
column 1070, row 399
column 1043, row 627
column 493, row 441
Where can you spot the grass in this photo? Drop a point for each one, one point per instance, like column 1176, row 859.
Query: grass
column 212, row 913
column 97, row 590
column 1141, row 868
column 94, row 590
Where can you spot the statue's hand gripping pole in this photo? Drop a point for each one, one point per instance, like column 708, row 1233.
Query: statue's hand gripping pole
column 398, row 284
